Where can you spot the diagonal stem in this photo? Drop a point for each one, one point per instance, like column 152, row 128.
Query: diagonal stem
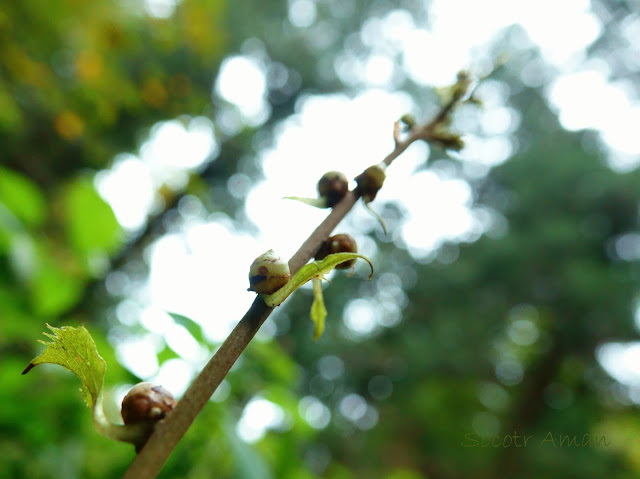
column 168, row 432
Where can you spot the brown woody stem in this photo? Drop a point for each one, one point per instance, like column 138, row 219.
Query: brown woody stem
column 168, row 432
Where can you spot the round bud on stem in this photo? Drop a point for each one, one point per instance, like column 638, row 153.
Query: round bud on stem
column 369, row 182
column 332, row 187
column 268, row 273
column 341, row 243
column 146, row 403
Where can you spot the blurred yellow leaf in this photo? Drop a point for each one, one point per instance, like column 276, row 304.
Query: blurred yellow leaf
column 89, row 65
column 10, row 114
column 69, row 125
column 154, row 93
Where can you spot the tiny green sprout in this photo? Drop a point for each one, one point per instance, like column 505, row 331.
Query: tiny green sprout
column 313, row 271
column 408, row 121
column 462, row 87
column 309, row 271
column 318, row 311
column 339, row 243
column 447, row 139
column 332, row 187
column 460, row 91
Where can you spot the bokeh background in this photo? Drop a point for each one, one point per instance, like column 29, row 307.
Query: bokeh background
column 146, row 147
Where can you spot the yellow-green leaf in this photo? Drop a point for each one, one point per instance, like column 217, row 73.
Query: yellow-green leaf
column 318, row 310
column 304, row 274
column 75, row 350
column 317, row 202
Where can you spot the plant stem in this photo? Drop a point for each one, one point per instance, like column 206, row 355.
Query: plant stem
column 132, row 433
column 150, row 459
column 168, row 432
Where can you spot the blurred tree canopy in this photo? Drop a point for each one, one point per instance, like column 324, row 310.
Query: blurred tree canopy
column 494, row 335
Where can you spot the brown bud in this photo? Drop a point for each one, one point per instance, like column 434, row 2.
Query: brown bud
column 332, row 187
column 369, row 182
column 341, row 243
column 146, row 403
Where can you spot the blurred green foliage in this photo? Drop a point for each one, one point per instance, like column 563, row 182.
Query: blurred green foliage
column 500, row 340
column 82, row 82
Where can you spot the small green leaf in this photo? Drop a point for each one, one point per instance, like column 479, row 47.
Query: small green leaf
column 308, row 271
column 317, row 202
column 75, row 350
column 408, row 120
column 190, row 325
column 318, row 311
column 447, row 139
column 166, row 354
column 378, row 217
